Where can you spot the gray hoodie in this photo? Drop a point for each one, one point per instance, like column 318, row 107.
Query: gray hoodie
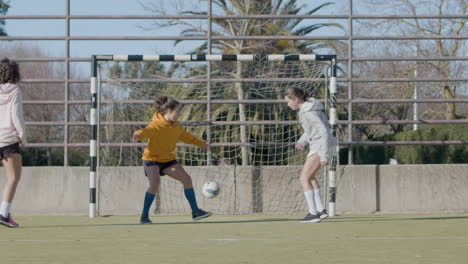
column 12, row 127
column 316, row 131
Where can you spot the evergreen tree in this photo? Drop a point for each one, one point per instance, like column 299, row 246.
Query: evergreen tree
column 3, row 10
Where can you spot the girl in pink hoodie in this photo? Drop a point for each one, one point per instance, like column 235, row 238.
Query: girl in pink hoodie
column 11, row 134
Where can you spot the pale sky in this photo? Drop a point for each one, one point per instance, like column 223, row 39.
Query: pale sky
column 84, row 49
column 41, row 27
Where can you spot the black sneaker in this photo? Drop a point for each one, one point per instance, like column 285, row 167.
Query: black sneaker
column 311, row 218
column 200, row 215
column 144, row 220
column 323, row 214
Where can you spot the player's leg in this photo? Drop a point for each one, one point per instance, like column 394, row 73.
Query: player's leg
column 157, row 200
column 152, row 173
column 311, row 166
column 157, row 203
column 318, row 197
column 177, row 172
column 12, row 164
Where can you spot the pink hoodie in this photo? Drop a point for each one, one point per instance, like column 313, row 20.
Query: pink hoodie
column 11, row 115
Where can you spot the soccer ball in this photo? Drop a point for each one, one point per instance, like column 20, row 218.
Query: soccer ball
column 210, row 189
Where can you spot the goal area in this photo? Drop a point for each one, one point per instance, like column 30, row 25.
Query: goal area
column 234, row 102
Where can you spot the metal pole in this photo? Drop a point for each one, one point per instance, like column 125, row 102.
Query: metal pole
column 415, row 93
column 67, row 83
column 350, row 82
column 250, row 16
column 333, row 126
column 93, row 148
column 208, row 86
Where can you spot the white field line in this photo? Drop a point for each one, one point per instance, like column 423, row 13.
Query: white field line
column 233, row 239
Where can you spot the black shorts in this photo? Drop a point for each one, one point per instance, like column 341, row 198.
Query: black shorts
column 162, row 165
column 8, row 150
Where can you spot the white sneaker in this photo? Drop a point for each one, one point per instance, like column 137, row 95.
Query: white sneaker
column 323, row 214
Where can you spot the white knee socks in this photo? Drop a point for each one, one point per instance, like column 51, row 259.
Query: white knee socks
column 318, row 200
column 5, row 209
column 309, row 195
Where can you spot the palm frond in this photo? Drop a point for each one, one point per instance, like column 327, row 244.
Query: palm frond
column 193, row 13
column 319, row 7
column 307, row 29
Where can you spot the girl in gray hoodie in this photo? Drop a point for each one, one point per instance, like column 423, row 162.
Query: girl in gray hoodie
column 11, row 135
column 321, row 143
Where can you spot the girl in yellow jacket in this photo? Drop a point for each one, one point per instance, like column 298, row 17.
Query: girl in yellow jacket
column 159, row 159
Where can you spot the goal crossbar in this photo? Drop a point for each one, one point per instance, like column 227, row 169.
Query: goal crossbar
column 217, row 57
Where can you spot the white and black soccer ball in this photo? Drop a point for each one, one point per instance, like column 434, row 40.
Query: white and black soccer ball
column 210, row 189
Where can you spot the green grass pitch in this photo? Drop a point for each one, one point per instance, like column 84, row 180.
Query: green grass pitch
column 379, row 238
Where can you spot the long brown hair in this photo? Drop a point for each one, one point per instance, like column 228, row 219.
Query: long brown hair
column 294, row 92
column 9, row 71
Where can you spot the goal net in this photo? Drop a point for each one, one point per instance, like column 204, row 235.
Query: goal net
column 236, row 102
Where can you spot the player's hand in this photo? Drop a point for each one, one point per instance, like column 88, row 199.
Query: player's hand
column 299, row 146
column 205, row 146
column 324, row 163
column 136, row 135
column 22, row 142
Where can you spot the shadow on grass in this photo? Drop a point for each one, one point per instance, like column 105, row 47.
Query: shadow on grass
column 338, row 219
column 392, row 218
column 155, row 223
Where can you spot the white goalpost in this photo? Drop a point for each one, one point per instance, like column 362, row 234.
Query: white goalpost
column 241, row 113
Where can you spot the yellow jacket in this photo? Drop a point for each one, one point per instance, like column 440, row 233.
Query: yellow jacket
column 162, row 137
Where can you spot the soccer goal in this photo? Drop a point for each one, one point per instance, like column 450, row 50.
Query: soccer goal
column 235, row 102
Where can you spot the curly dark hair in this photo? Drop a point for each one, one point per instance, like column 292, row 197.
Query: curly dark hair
column 9, row 71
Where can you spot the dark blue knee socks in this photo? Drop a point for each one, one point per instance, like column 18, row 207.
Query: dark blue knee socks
column 190, row 195
column 147, row 203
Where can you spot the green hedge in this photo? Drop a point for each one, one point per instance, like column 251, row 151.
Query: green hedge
column 418, row 154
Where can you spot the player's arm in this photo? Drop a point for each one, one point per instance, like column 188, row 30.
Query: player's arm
column 302, row 142
column 17, row 116
column 142, row 134
column 188, row 138
column 316, row 124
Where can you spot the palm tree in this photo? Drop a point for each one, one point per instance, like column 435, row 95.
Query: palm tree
column 250, row 27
